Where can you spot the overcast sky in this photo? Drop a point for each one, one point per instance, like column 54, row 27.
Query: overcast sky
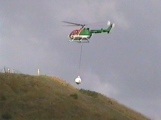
column 124, row 65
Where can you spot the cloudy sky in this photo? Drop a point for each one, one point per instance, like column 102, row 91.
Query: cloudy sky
column 124, row 65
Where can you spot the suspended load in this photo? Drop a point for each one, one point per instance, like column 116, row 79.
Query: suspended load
column 78, row 80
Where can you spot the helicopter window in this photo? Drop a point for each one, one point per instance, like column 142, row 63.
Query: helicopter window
column 74, row 32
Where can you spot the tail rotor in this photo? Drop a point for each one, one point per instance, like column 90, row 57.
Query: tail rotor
column 111, row 26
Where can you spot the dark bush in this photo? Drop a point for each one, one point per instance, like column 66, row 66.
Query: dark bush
column 6, row 116
column 3, row 98
column 89, row 93
column 75, row 96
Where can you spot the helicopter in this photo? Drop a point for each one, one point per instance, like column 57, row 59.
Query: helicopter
column 83, row 34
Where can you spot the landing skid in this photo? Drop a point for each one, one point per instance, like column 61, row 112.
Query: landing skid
column 80, row 41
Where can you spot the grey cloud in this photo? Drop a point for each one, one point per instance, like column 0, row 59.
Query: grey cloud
column 124, row 65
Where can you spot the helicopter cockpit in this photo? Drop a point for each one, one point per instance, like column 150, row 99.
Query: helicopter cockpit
column 74, row 32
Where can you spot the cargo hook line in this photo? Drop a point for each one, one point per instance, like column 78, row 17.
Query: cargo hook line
column 80, row 58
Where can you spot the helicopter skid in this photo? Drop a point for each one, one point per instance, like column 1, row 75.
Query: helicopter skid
column 80, row 41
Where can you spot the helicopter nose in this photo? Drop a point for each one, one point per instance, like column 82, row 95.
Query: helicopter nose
column 70, row 36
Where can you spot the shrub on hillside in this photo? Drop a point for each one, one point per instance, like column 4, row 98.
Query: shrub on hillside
column 6, row 116
column 3, row 98
column 89, row 93
column 75, row 96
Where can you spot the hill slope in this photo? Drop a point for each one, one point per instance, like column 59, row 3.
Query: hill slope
column 25, row 97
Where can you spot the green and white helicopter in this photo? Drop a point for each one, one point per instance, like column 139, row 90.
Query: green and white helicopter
column 83, row 34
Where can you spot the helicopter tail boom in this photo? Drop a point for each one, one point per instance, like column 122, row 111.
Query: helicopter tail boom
column 108, row 30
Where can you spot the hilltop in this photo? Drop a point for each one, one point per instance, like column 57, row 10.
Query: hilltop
column 27, row 97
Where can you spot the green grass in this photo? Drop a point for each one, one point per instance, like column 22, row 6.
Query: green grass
column 26, row 97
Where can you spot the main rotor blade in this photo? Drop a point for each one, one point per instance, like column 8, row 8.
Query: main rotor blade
column 70, row 25
column 74, row 23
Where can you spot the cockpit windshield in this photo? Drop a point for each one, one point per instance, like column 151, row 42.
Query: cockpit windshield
column 74, row 32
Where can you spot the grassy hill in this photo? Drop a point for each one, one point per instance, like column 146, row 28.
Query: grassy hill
column 26, row 97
